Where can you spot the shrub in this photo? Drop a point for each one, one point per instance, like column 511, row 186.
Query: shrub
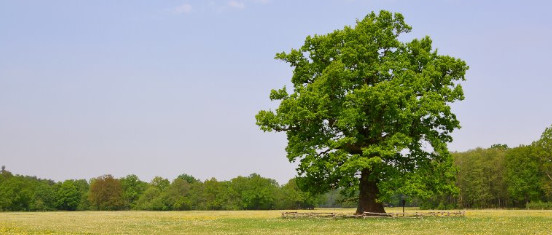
column 538, row 205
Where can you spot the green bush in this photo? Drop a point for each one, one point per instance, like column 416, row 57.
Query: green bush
column 538, row 205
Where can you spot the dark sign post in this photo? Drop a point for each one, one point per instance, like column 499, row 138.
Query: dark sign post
column 403, row 201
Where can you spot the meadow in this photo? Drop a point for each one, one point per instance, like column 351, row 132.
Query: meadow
column 270, row 222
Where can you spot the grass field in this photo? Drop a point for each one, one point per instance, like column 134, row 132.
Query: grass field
column 269, row 222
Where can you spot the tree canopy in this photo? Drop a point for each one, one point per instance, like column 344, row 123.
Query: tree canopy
column 106, row 193
column 368, row 111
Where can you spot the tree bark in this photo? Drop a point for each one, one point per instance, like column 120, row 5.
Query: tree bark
column 368, row 194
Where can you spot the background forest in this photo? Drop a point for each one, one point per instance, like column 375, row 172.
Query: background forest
column 494, row 177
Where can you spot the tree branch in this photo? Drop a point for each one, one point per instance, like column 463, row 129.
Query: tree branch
column 550, row 177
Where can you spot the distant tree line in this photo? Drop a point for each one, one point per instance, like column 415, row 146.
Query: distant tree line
column 25, row 193
column 502, row 177
column 494, row 177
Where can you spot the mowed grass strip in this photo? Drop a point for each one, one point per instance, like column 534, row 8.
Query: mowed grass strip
column 255, row 222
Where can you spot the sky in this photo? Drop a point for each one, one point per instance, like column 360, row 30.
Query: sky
column 161, row 88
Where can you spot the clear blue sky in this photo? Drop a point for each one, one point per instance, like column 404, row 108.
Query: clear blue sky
column 168, row 87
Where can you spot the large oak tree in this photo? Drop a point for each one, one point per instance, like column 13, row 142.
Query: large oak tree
column 369, row 112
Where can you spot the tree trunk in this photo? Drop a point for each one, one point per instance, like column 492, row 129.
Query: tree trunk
column 368, row 194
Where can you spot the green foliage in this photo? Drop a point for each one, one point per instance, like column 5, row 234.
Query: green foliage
column 106, row 193
column 524, row 177
column 150, row 200
column 132, row 187
column 153, row 196
column 160, row 183
column 162, row 195
column 83, row 187
column 255, row 192
column 15, row 193
column 24, row 193
column 44, row 198
column 188, row 178
column 538, row 205
column 500, row 146
column 177, row 196
column 481, row 177
column 290, row 196
column 503, row 177
column 214, row 194
column 68, row 196
column 364, row 101
column 543, row 151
